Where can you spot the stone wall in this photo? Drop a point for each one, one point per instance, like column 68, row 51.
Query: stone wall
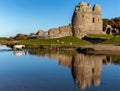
column 60, row 31
column 41, row 33
column 108, row 29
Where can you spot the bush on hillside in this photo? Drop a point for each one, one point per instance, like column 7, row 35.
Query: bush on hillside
column 114, row 22
column 20, row 37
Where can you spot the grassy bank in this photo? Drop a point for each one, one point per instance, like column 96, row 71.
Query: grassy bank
column 5, row 41
column 64, row 42
column 114, row 40
column 110, row 38
column 104, row 36
column 69, row 41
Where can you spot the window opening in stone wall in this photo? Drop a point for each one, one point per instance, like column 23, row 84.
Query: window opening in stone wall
column 78, row 9
column 93, row 70
column 93, row 20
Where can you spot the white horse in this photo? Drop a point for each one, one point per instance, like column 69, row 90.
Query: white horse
column 19, row 47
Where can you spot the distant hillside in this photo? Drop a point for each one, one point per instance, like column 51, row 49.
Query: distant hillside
column 114, row 22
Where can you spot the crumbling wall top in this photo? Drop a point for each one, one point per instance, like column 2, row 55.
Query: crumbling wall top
column 85, row 7
column 82, row 4
column 97, row 7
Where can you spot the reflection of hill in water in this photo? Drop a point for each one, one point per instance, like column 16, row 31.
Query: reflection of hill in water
column 86, row 69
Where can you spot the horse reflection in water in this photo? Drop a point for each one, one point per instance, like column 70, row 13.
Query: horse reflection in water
column 85, row 69
column 18, row 50
column 20, row 53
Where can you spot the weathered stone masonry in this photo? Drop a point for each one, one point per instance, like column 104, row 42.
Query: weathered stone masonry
column 60, row 32
column 86, row 20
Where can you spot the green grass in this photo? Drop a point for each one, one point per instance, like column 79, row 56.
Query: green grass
column 105, row 36
column 68, row 41
column 110, row 38
column 4, row 41
column 114, row 40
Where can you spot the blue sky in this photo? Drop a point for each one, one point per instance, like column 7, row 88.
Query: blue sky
column 27, row 16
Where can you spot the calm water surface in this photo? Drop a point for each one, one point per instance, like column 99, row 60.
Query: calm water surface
column 43, row 71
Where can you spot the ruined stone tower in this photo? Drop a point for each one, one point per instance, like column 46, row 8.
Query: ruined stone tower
column 86, row 20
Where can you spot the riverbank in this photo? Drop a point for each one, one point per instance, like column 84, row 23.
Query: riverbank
column 96, row 48
column 104, row 48
column 108, row 46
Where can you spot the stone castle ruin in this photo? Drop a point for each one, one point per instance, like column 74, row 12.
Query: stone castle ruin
column 85, row 20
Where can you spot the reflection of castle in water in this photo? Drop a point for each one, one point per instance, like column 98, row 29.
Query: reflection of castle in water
column 86, row 69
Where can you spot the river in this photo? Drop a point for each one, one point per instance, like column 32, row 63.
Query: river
column 37, row 70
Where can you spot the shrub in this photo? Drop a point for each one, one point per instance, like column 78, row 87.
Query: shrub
column 20, row 37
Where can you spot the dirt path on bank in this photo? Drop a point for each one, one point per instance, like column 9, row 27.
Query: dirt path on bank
column 104, row 48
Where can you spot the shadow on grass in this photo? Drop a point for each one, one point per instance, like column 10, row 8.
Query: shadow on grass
column 94, row 40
